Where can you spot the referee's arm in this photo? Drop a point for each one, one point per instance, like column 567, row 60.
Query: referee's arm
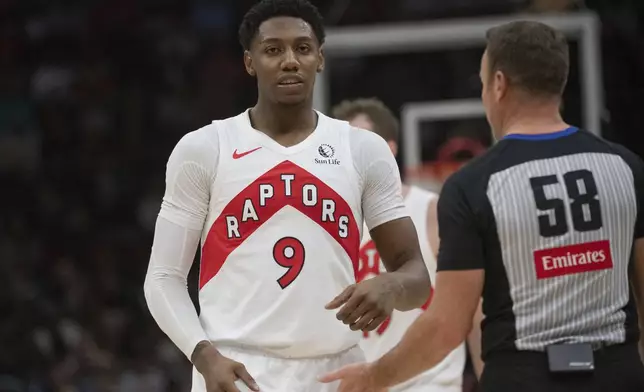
column 638, row 285
column 637, row 277
column 459, row 284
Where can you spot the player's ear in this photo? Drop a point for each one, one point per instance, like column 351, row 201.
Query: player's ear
column 248, row 63
column 321, row 59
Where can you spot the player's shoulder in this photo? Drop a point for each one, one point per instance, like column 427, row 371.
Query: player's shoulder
column 333, row 124
column 366, row 140
column 359, row 139
column 368, row 150
column 199, row 146
column 231, row 124
column 203, row 138
column 207, row 137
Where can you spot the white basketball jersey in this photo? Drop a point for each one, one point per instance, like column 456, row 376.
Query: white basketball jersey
column 282, row 234
column 447, row 375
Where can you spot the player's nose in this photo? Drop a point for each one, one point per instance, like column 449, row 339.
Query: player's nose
column 290, row 61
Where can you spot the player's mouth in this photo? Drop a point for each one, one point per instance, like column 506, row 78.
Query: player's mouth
column 290, row 82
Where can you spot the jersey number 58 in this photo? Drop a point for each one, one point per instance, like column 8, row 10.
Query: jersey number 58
column 584, row 208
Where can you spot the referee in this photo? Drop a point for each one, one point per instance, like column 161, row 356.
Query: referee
column 548, row 226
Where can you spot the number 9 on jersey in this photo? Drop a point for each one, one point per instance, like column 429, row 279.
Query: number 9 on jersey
column 288, row 252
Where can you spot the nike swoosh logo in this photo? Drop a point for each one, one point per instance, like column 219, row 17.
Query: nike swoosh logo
column 237, row 155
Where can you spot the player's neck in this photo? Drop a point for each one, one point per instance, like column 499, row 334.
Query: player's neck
column 534, row 119
column 278, row 121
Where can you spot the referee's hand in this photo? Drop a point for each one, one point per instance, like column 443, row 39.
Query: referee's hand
column 357, row 377
column 365, row 305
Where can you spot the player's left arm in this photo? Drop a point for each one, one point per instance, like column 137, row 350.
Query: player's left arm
column 406, row 285
column 391, row 228
column 448, row 320
column 407, row 275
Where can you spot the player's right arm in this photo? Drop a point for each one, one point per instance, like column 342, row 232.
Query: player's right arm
column 189, row 175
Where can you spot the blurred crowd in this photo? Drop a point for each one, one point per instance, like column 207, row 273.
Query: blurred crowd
column 93, row 96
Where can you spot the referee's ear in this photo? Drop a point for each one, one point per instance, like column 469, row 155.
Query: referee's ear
column 500, row 85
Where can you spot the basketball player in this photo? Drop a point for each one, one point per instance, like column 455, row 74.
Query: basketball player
column 371, row 114
column 278, row 196
column 547, row 225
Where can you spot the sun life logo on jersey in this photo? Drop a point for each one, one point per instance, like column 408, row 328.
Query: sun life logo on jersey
column 327, row 152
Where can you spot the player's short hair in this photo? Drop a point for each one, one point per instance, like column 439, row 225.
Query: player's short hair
column 384, row 122
column 532, row 55
column 267, row 9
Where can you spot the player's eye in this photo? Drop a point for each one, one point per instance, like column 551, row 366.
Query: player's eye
column 304, row 48
column 272, row 50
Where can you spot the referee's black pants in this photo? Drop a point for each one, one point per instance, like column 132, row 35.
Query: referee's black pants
column 617, row 369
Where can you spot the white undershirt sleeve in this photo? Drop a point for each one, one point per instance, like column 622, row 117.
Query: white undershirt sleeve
column 382, row 199
column 166, row 288
column 189, row 175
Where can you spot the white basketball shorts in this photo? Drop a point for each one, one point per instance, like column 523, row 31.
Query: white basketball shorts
column 275, row 374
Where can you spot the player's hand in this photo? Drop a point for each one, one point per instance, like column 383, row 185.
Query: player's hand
column 221, row 373
column 367, row 304
column 354, row 378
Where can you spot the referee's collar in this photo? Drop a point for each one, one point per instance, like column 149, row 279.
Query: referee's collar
column 541, row 136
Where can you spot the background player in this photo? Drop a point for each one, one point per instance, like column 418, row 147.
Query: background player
column 371, row 114
column 278, row 196
column 549, row 225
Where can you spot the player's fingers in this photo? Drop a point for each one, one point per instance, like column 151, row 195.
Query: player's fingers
column 341, row 298
column 365, row 320
column 348, row 308
column 375, row 323
column 243, row 374
column 362, row 309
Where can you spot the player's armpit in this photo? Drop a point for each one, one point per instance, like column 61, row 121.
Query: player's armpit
column 397, row 244
column 637, row 280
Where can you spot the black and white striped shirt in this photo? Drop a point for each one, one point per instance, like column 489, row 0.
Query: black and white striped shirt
column 551, row 218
